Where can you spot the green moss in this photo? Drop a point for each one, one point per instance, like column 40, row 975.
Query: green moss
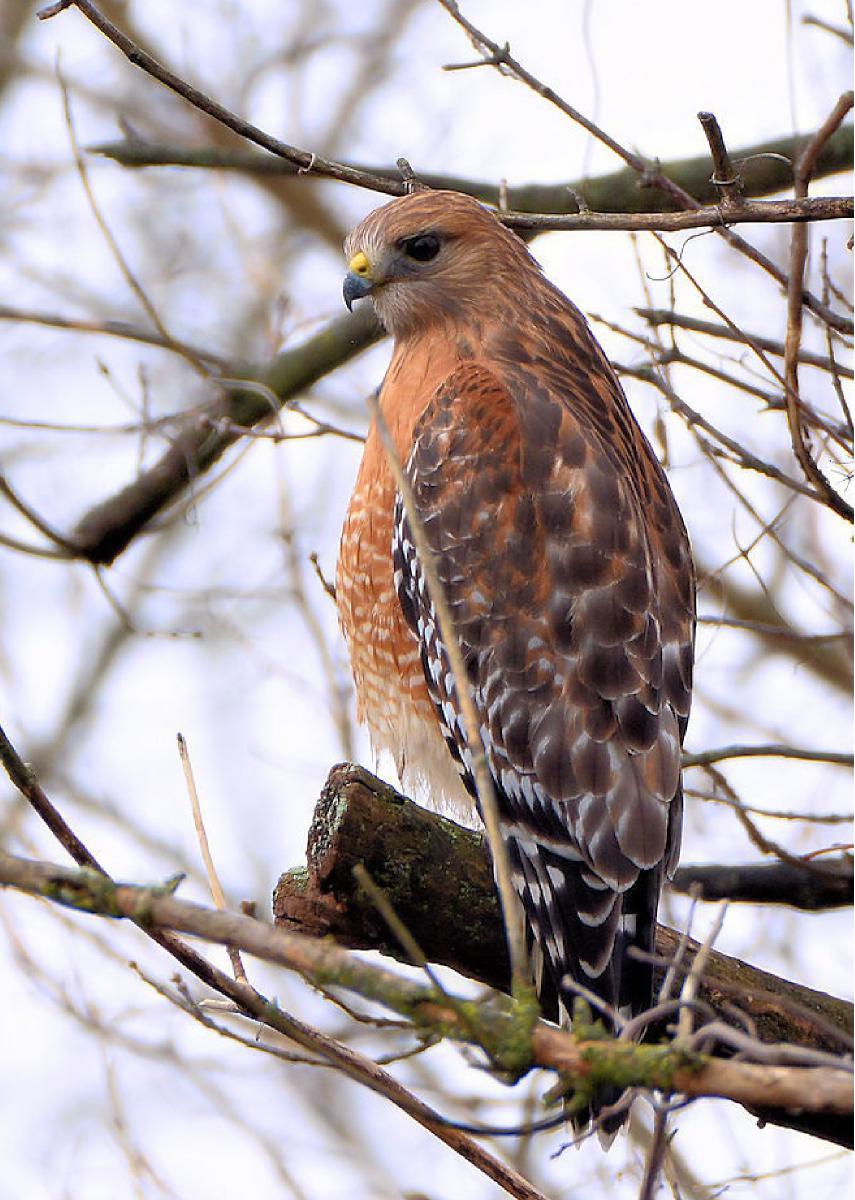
column 625, row 1064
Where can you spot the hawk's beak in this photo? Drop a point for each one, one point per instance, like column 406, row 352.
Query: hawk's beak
column 358, row 282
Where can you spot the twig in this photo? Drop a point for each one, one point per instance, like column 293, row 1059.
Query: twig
column 655, row 1160
column 773, row 750
column 795, row 301
column 338, row 686
column 839, row 31
column 117, row 329
column 326, row 584
column 836, row 370
column 114, row 247
column 675, row 966
column 659, row 316
column 305, row 160
column 778, row 814
column 822, row 494
column 764, row 629
column 764, row 844
column 408, row 175
column 741, row 454
column 29, row 514
column 501, row 58
column 204, row 846
column 480, row 771
column 725, row 177
column 688, row 993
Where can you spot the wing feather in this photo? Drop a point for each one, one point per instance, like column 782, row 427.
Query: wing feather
column 568, row 576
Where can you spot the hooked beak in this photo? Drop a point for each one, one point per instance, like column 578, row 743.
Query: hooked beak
column 358, row 281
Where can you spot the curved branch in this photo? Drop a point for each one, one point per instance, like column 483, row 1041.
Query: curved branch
column 772, row 750
column 795, row 302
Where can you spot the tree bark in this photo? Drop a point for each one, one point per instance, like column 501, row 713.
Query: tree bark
column 827, row 884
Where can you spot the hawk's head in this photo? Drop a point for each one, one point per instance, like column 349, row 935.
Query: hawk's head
column 427, row 256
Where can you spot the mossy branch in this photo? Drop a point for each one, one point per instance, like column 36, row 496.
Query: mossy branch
column 515, row 1038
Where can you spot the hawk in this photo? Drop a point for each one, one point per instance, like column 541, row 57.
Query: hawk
column 568, row 573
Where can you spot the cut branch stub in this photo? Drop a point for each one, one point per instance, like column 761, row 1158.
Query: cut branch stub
column 436, row 874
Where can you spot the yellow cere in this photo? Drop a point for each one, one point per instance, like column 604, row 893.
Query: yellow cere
column 359, row 265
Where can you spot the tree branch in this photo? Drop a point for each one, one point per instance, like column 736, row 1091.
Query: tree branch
column 807, row 209
column 770, row 750
column 765, row 168
column 773, row 883
column 675, row 320
column 500, row 57
column 516, row 1040
column 795, row 302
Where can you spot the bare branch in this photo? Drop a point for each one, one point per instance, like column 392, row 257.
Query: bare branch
column 650, row 174
column 771, row 883
column 725, row 176
column 773, row 750
column 750, row 212
column 659, row 316
column 764, row 167
column 795, row 302
column 586, row 1063
column 117, row 329
column 305, row 160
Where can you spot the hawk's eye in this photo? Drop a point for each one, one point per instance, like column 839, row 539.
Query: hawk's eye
column 423, row 247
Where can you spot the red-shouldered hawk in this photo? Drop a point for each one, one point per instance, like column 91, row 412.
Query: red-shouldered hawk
column 567, row 569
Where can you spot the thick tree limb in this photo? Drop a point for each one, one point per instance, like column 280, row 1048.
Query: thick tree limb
column 438, row 878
